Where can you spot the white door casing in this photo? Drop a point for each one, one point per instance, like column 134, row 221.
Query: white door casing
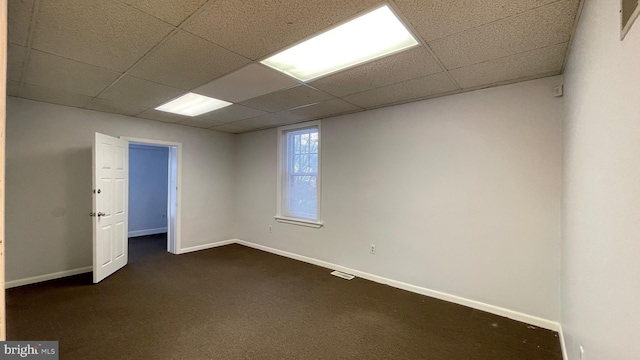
column 110, row 205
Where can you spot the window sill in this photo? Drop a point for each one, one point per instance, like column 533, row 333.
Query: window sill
column 299, row 222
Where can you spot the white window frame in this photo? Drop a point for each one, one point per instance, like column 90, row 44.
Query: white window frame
column 282, row 130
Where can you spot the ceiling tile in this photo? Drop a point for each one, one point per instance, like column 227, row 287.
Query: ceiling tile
column 248, row 82
column 104, row 33
column 288, row 99
column 13, row 88
column 546, row 61
column 321, row 110
column 55, row 96
column 19, row 20
column 258, row 28
column 131, row 90
column 15, row 61
column 434, row 19
column 186, row 61
column 163, row 116
column 200, row 122
column 405, row 91
column 410, row 64
column 114, row 107
column 266, row 121
column 545, row 26
column 232, row 113
column 172, row 11
column 69, row 75
column 231, row 128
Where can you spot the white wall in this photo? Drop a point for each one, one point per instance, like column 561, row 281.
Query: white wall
column 461, row 194
column 601, row 207
column 48, row 183
column 148, row 189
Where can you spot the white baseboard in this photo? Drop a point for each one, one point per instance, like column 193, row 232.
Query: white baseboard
column 563, row 345
column 515, row 315
column 207, row 246
column 147, row 232
column 41, row 278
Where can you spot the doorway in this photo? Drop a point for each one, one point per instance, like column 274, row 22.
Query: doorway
column 154, row 196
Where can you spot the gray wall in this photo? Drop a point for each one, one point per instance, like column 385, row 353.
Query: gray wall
column 148, row 189
column 461, row 194
column 601, row 207
column 48, row 183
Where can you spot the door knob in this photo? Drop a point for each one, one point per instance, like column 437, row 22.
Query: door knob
column 101, row 214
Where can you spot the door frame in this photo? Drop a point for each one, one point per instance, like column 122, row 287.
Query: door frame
column 173, row 245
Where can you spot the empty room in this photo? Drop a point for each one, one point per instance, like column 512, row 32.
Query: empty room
column 288, row 179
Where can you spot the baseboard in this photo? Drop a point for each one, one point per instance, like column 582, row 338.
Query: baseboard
column 41, row 278
column 565, row 355
column 147, row 232
column 515, row 315
column 207, row 246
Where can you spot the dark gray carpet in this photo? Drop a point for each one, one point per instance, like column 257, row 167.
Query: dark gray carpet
column 235, row 302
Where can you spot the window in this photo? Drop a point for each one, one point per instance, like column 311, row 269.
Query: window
column 299, row 174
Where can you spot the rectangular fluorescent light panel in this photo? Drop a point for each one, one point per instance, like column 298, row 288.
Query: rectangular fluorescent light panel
column 191, row 104
column 370, row 36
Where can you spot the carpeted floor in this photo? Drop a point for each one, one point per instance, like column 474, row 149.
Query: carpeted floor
column 235, row 302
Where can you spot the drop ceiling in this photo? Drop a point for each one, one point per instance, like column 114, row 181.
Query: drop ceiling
column 129, row 56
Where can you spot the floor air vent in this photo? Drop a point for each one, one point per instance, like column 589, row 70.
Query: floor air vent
column 342, row 275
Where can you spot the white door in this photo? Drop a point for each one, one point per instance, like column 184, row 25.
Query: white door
column 110, row 198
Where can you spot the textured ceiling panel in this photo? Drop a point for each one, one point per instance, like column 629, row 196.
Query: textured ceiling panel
column 186, row 61
column 200, row 122
column 59, row 73
column 405, row 91
column 288, row 99
column 258, row 28
column 232, row 113
column 131, row 90
column 77, row 49
column 104, row 33
column 19, row 19
column 546, row 61
column 231, row 128
column 321, row 110
column 15, row 61
column 545, row 26
column 410, row 64
column 54, row 96
column 114, row 107
column 172, row 11
column 251, row 81
column 13, row 88
column 434, row 19
column 163, row 116
column 265, row 121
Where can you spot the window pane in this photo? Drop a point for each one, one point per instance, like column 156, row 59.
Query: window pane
column 302, row 197
column 296, row 149
column 300, row 185
column 313, row 163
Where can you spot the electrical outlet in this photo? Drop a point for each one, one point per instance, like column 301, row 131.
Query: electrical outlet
column 372, row 249
column 270, row 229
column 582, row 357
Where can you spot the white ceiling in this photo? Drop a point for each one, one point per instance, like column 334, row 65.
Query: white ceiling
column 129, row 56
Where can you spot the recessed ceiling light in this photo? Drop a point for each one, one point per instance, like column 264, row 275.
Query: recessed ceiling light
column 370, row 36
column 191, row 104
